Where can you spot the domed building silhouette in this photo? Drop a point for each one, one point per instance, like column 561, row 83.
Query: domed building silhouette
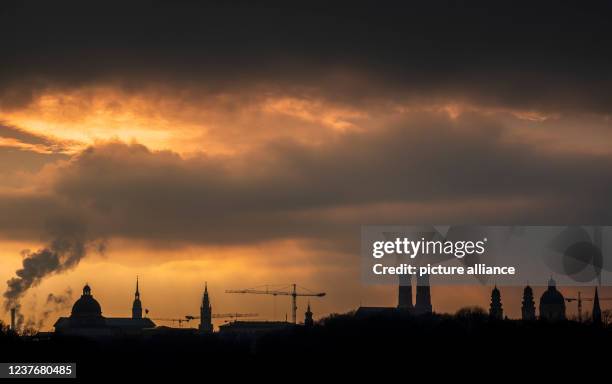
column 86, row 320
column 552, row 303
column 86, row 310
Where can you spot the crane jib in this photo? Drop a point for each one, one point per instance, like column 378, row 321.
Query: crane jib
column 293, row 293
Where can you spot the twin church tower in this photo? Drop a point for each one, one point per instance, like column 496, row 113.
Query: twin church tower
column 423, row 295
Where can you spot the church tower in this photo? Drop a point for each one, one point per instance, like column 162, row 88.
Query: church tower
column 596, row 309
column 404, row 297
column 423, row 296
column 206, row 313
column 137, row 305
column 308, row 321
column 528, row 309
column 496, row 311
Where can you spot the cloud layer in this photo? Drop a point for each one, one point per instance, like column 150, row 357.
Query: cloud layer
column 546, row 56
column 429, row 167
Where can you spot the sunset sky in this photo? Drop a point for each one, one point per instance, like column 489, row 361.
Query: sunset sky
column 245, row 145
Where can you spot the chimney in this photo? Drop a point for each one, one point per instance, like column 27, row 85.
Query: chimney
column 13, row 320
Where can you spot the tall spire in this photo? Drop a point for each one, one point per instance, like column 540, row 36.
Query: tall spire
column 206, row 312
column 308, row 320
column 205, row 299
column 137, row 305
column 596, row 309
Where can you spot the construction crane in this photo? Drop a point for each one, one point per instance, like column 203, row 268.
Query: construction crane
column 179, row 321
column 293, row 293
column 188, row 318
column 580, row 299
column 224, row 315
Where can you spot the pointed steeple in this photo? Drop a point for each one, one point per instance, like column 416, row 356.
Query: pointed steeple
column 205, row 299
column 596, row 309
column 206, row 312
column 308, row 320
column 137, row 305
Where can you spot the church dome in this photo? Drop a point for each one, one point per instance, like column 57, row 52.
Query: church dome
column 552, row 303
column 552, row 296
column 86, row 306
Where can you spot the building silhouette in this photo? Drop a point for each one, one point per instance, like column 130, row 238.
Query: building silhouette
column 496, row 311
column 596, row 313
column 86, row 320
column 206, row 325
column 308, row 321
column 423, row 296
column 404, row 297
column 552, row 303
column 137, row 305
column 404, row 300
column 528, row 309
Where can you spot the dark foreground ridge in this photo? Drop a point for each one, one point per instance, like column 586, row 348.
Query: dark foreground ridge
column 466, row 344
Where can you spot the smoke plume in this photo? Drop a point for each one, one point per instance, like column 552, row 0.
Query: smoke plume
column 55, row 303
column 65, row 251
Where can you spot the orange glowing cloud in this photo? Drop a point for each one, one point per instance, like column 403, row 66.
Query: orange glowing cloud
column 190, row 121
column 164, row 118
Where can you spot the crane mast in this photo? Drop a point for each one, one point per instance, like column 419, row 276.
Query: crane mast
column 580, row 299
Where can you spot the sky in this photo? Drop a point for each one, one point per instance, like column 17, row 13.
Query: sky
column 245, row 145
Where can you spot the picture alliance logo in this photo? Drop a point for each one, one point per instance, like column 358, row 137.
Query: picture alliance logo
column 403, row 246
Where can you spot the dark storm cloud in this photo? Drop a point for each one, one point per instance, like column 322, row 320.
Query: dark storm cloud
column 536, row 55
column 321, row 193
